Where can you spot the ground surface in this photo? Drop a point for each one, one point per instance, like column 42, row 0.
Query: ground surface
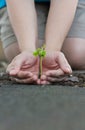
column 32, row 107
column 77, row 79
column 24, row 107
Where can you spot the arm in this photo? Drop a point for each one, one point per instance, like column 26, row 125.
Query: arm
column 23, row 18
column 24, row 67
column 59, row 21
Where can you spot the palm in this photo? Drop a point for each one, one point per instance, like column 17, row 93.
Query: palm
column 31, row 66
column 49, row 63
column 24, row 68
column 54, row 65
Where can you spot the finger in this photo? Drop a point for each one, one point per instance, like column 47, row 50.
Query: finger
column 43, row 77
column 14, row 67
column 24, row 81
column 12, row 70
column 54, row 73
column 35, row 77
column 38, row 81
column 44, row 82
column 64, row 63
column 9, row 68
column 53, row 80
column 23, row 74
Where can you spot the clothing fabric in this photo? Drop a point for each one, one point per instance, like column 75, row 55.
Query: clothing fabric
column 77, row 29
column 78, row 26
column 42, row 0
column 7, row 35
column 2, row 3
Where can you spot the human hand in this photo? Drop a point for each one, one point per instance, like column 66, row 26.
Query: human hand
column 24, row 68
column 54, row 65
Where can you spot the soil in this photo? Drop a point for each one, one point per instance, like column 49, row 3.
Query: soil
column 77, row 79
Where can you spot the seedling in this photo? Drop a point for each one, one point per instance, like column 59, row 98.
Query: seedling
column 41, row 52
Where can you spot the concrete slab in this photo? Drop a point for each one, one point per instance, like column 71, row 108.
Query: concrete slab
column 31, row 107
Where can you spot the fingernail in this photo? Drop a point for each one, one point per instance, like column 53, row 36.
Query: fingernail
column 68, row 69
column 12, row 72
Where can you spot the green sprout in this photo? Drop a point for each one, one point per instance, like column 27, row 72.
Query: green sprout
column 41, row 52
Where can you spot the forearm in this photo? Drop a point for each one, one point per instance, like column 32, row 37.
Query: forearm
column 59, row 21
column 23, row 18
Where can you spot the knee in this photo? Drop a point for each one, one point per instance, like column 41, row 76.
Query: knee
column 75, row 54
column 76, row 60
column 11, row 51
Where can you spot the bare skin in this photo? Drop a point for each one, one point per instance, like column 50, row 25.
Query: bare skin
column 74, row 50
column 11, row 51
column 24, row 24
column 24, row 68
column 61, row 18
column 54, row 38
column 54, row 65
column 59, row 22
column 26, row 37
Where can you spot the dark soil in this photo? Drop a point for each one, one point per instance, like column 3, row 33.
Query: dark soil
column 77, row 79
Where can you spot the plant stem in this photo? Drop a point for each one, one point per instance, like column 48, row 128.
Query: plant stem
column 40, row 66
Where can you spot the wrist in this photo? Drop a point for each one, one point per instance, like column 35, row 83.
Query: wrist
column 52, row 49
column 27, row 48
column 53, row 46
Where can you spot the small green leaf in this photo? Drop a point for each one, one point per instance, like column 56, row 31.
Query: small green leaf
column 42, row 53
column 35, row 53
column 38, row 50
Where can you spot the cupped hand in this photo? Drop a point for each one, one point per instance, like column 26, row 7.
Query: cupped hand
column 24, row 68
column 54, row 65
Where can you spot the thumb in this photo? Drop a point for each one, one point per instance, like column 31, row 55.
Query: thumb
column 15, row 66
column 63, row 63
